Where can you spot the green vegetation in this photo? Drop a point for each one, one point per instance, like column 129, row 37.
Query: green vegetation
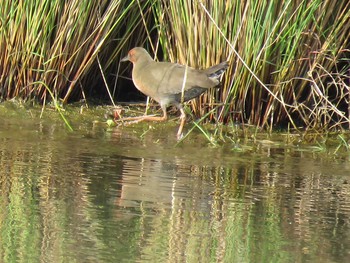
column 56, row 44
column 289, row 60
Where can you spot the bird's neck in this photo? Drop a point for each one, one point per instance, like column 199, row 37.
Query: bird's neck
column 142, row 63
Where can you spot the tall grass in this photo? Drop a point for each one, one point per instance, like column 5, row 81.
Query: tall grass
column 298, row 49
column 55, row 44
column 289, row 60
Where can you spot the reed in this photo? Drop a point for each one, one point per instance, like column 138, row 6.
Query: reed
column 289, row 59
column 55, row 44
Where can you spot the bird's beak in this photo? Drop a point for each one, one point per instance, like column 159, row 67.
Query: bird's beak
column 126, row 58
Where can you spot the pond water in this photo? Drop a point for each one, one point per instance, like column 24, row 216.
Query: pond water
column 132, row 195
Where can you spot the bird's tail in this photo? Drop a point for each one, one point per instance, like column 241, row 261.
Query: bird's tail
column 216, row 71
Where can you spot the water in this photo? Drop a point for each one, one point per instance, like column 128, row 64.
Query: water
column 100, row 195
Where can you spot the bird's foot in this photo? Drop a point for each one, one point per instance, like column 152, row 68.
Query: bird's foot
column 133, row 120
column 179, row 134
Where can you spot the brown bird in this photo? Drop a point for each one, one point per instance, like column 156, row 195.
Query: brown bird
column 170, row 83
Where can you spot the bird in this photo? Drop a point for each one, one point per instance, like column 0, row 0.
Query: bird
column 170, row 83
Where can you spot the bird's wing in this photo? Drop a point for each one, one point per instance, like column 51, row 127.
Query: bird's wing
column 174, row 77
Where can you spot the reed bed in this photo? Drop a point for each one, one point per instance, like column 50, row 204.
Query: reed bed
column 289, row 60
column 55, row 45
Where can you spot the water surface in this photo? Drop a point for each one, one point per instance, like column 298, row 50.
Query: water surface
column 125, row 195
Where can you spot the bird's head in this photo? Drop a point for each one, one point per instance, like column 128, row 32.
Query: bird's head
column 136, row 55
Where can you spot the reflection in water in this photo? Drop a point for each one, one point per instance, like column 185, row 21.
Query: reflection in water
column 90, row 197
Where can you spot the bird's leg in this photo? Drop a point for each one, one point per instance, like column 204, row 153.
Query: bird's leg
column 132, row 120
column 182, row 123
